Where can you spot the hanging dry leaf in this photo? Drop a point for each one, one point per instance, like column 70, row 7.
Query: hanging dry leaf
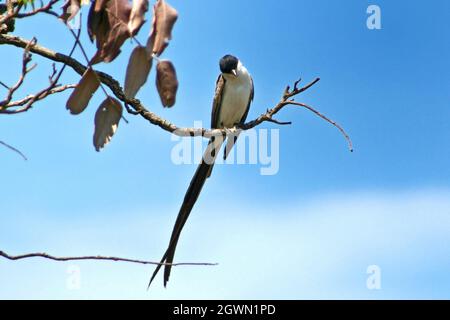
column 108, row 25
column 137, row 16
column 166, row 82
column 107, row 120
column 70, row 9
column 138, row 69
column 99, row 5
column 97, row 25
column 83, row 92
column 164, row 18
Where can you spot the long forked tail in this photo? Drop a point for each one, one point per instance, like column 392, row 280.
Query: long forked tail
column 195, row 187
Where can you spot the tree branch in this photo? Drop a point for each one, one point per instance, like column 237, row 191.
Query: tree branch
column 153, row 118
column 43, row 8
column 39, row 96
column 105, row 258
column 26, row 59
column 13, row 11
column 27, row 103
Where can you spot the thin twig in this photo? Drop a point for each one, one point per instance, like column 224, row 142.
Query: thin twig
column 36, row 97
column 88, row 61
column 13, row 14
column 4, row 85
column 30, row 100
column 14, row 149
column 334, row 123
column 53, row 80
column 43, row 8
column 106, row 258
column 26, row 59
column 282, row 123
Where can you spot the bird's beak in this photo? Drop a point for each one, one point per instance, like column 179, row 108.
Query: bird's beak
column 234, row 72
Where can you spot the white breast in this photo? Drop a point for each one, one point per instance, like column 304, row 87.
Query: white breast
column 236, row 98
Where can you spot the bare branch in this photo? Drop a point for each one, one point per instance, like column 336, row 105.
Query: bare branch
column 14, row 11
column 4, row 85
column 35, row 97
column 53, row 80
column 289, row 94
column 28, row 102
column 43, row 8
column 14, row 149
column 26, row 59
column 334, row 123
column 281, row 123
column 105, row 258
column 140, row 109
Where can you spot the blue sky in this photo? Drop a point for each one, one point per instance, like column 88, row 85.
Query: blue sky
column 309, row 231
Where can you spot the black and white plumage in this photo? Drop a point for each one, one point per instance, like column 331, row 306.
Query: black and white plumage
column 233, row 95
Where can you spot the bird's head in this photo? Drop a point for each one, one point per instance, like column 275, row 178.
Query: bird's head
column 229, row 65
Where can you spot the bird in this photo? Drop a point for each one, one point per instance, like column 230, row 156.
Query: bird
column 233, row 95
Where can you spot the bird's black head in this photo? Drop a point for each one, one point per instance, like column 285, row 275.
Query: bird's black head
column 228, row 64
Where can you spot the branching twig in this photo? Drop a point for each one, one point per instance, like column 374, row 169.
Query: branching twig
column 50, row 257
column 17, row 14
column 27, row 103
column 53, row 80
column 44, row 8
column 26, row 59
column 37, row 97
column 287, row 100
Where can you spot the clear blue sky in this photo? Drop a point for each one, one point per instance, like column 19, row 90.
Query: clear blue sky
column 309, row 231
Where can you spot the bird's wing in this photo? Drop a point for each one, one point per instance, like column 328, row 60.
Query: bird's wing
column 232, row 140
column 217, row 102
column 215, row 115
column 196, row 185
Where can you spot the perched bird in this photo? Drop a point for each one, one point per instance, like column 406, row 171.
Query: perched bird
column 233, row 95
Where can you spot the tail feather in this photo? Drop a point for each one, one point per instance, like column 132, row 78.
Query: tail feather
column 189, row 200
column 195, row 187
column 229, row 145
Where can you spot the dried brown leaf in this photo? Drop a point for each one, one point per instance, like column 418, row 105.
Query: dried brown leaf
column 83, row 92
column 70, row 9
column 164, row 18
column 107, row 120
column 99, row 5
column 108, row 25
column 166, row 82
column 97, row 25
column 137, row 16
column 138, row 69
